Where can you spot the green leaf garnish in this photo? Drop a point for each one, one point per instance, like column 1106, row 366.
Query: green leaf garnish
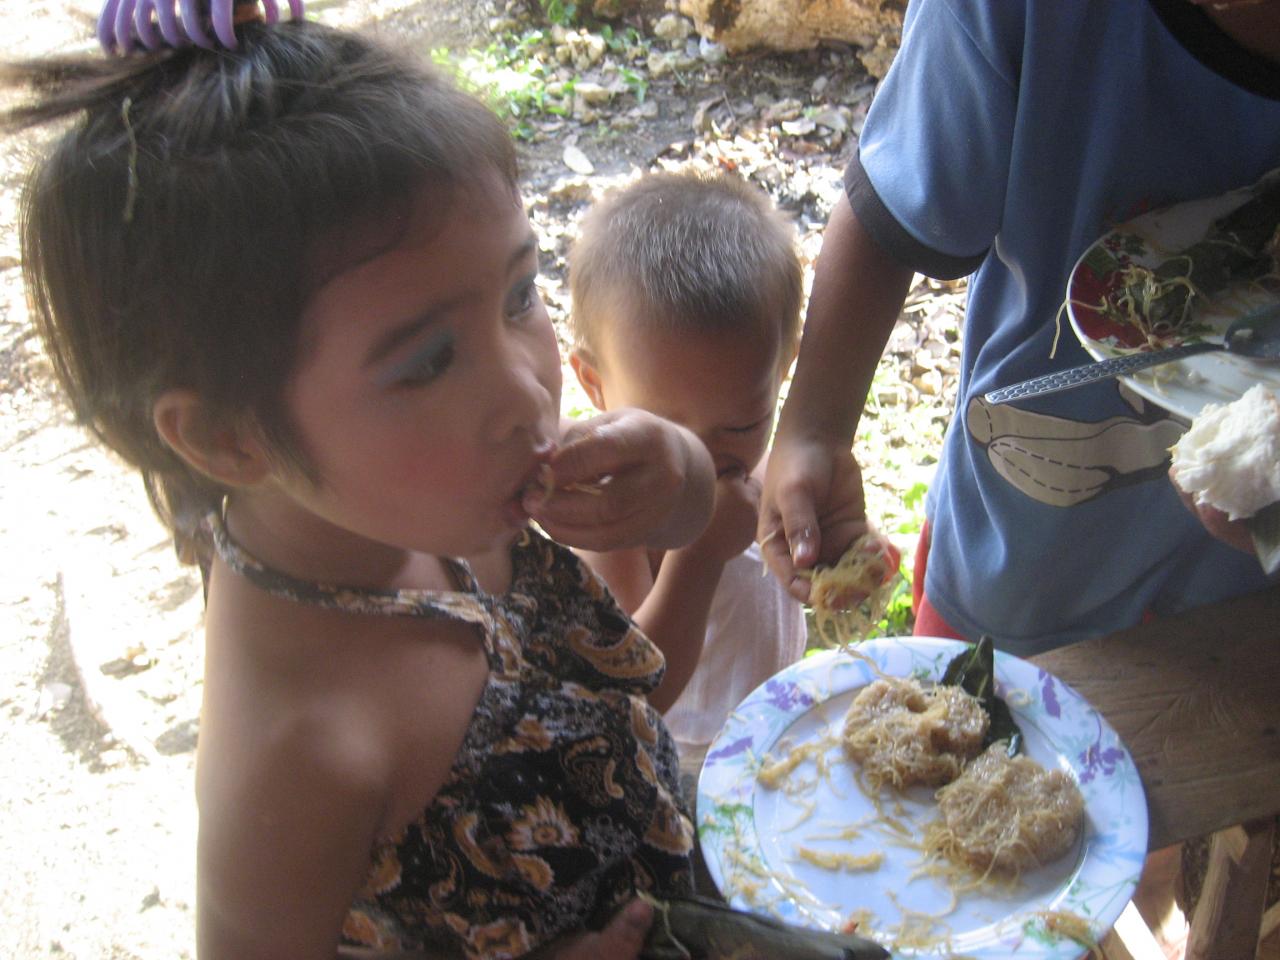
column 974, row 671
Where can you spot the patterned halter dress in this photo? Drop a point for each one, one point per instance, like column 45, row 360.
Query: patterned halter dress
column 564, row 798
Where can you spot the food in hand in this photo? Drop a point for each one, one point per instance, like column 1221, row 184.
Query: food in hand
column 1006, row 814
column 1230, row 458
column 904, row 734
column 849, row 597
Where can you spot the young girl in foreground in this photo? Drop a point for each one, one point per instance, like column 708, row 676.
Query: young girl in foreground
column 293, row 284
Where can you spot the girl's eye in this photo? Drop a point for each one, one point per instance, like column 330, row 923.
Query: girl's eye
column 523, row 298
column 427, row 362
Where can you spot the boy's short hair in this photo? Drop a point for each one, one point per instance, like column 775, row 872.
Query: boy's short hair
column 687, row 251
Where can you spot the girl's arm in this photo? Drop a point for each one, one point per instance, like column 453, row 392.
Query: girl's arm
column 626, row 478
column 320, row 735
column 672, row 606
column 674, row 613
column 628, row 574
column 284, row 845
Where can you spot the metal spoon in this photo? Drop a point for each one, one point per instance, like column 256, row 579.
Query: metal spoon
column 1256, row 335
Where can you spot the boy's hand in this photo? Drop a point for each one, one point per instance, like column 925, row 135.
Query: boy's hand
column 624, row 479
column 812, row 508
column 733, row 521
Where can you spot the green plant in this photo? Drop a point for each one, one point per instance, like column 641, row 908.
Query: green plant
column 574, row 402
column 637, row 83
column 899, row 618
column 559, row 13
column 520, row 79
column 628, row 41
column 913, row 501
column 511, row 75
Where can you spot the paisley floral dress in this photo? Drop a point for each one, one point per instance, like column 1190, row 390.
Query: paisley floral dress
column 564, row 799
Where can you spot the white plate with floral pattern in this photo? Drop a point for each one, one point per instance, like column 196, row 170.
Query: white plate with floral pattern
column 755, row 839
column 1182, row 387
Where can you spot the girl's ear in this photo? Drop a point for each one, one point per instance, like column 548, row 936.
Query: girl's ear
column 589, row 376
column 228, row 453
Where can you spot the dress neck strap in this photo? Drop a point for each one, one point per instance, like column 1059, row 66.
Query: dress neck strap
column 352, row 599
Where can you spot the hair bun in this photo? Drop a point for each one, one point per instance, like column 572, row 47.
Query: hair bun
column 126, row 25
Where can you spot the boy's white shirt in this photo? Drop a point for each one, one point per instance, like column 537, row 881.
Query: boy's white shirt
column 754, row 629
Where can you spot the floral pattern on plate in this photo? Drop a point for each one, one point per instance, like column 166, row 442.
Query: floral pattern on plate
column 755, row 839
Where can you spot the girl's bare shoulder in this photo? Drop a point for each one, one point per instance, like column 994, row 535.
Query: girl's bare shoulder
column 366, row 706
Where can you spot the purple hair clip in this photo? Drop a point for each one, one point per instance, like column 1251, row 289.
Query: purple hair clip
column 124, row 25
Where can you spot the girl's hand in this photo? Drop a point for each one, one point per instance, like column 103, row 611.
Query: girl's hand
column 812, row 508
column 624, row 479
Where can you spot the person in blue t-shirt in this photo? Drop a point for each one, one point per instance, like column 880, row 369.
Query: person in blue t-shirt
column 1005, row 139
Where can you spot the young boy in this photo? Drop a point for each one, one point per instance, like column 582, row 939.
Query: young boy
column 686, row 302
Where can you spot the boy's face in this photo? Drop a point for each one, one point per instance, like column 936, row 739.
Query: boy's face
column 723, row 385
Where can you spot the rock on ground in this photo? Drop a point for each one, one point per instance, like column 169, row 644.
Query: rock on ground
column 739, row 25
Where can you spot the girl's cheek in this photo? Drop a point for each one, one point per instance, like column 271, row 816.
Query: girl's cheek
column 429, row 471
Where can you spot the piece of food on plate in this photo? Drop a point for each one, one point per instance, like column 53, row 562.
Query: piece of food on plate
column 1230, row 458
column 849, row 597
column 1239, row 249
column 1006, row 814
column 902, row 733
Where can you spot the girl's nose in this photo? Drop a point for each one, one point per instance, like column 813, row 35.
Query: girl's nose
column 525, row 393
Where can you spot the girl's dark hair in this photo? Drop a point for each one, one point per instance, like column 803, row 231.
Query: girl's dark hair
column 174, row 233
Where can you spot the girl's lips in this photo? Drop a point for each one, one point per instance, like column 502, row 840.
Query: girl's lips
column 535, row 488
column 538, row 485
column 540, row 481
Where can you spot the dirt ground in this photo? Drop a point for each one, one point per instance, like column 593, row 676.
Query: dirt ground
column 99, row 626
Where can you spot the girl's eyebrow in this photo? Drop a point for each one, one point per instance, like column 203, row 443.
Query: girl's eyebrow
column 393, row 338
column 385, row 345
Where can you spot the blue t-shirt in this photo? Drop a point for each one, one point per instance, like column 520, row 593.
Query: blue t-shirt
column 1006, row 138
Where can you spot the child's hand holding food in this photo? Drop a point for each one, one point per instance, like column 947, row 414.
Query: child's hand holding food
column 812, row 508
column 623, row 479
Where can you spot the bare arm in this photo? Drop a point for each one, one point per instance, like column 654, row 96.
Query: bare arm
column 674, row 614
column 672, row 606
column 281, row 854
column 813, row 505
column 320, row 734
